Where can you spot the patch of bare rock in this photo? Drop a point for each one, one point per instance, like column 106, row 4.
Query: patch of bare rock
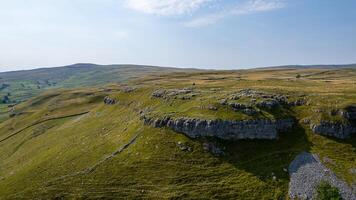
column 342, row 130
column 307, row 171
column 184, row 94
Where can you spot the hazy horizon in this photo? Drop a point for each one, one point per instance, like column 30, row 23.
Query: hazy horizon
column 210, row 34
column 208, row 68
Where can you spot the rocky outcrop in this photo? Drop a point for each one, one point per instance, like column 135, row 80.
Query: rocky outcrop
column 334, row 129
column 162, row 93
column 223, row 129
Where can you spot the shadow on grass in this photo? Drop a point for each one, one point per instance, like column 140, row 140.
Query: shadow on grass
column 351, row 141
column 266, row 158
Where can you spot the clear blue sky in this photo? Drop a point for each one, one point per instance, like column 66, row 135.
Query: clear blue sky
column 224, row 34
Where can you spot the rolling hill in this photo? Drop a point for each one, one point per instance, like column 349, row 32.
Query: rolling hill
column 154, row 137
column 18, row 86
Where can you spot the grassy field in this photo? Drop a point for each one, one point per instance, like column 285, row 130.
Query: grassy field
column 67, row 144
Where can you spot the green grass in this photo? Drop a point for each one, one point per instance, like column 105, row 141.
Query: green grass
column 43, row 161
column 327, row 192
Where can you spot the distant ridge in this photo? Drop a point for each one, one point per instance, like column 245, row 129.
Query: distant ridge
column 311, row 66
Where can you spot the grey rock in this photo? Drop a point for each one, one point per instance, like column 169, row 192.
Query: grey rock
column 234, row 97
column 353, row 171
column 211, row 107
column 223, row 101
column 334, row 129
column 249, row 111
column 173, row 93
column 223, row 129
column 159, row 93
column 184, row 147
column 269, row 104
column 128, row 89
column 306, row 172
column 109, row 101
column 237, row 106
column 299, row 102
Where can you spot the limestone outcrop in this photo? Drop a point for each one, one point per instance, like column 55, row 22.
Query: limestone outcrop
column 223, row 129
column 334, row 129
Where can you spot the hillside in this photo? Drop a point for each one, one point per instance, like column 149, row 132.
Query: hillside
column 18, row 86
column 154, row 136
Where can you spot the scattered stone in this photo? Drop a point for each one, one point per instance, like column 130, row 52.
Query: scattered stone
column 128, row 89
column 234, row 97
column 328, row 160
column 184, row 147
column 223, row 102
column 211, row 107
column 212, row 148
column 186, row 97
column 299, row 102
column 237, row 106
column 353, row 170
column 306, row 172
column 249, row 111
column 159, row 93
column 109, row 101
column 268, row 104
column 174, row 93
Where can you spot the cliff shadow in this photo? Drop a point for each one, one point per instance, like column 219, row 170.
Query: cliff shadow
column 351, row 140
column 266, row 158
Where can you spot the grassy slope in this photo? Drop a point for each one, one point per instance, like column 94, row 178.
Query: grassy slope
column 29, row 83
column 43, row 160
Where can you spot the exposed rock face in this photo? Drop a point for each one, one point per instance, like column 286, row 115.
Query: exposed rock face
column 334, row 129
column 306, row 172
column 224, row 129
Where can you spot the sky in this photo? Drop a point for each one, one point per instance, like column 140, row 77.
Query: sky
column 219, row 34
